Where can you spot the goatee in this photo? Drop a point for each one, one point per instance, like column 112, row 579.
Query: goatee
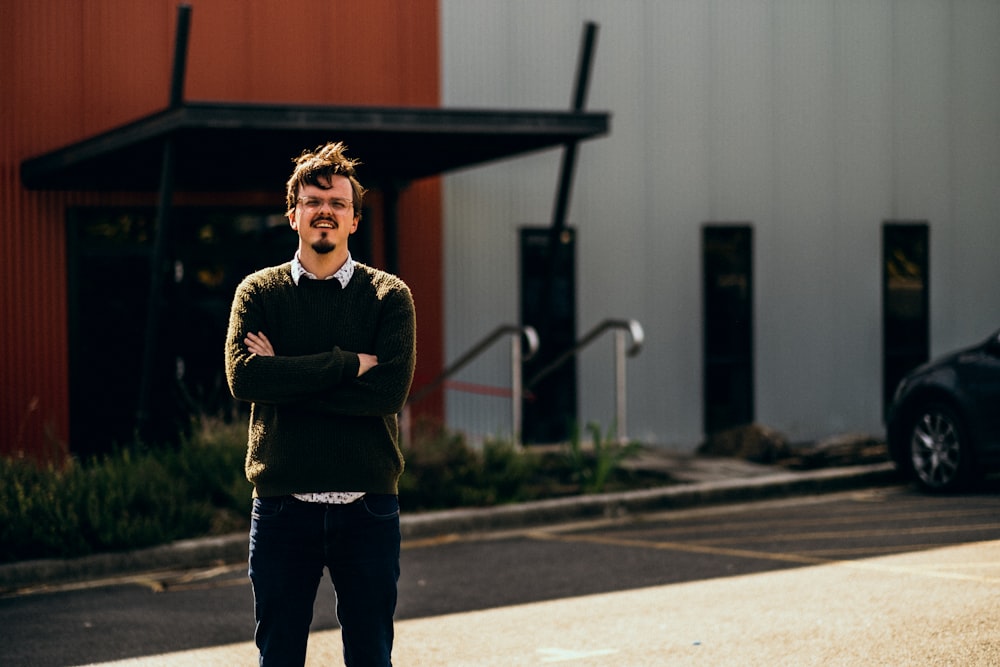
column 323, row 247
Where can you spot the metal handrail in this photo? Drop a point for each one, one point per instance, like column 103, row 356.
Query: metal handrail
column 517, row 357
column 634, row 329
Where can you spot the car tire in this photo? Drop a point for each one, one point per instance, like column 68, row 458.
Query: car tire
column 938, row 449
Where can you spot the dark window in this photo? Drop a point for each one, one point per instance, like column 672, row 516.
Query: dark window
column 208, row 252
column 727, row 255
column 548, row 303
column 905, row 302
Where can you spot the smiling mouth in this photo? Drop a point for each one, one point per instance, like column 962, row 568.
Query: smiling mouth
column 324, row 224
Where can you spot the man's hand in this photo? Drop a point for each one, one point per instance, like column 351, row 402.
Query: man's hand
column 258, row 344
column 368, row 362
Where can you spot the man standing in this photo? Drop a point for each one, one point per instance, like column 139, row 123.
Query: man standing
column 323, row 348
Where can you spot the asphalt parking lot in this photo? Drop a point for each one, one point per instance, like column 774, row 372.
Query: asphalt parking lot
column 693, row 582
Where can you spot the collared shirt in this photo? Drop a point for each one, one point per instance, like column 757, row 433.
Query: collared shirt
column 343, row 275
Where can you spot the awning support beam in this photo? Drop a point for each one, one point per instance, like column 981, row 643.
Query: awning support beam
column 568, row 166
column 156, row 261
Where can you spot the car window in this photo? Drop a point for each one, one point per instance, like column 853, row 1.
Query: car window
column 994, row 346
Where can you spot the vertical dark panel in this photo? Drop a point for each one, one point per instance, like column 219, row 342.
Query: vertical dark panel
column 548, row 303
column 209, row 251
column 727, row 255
column 905, row 302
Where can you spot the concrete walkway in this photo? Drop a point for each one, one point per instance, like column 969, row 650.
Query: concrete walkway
column 933, row 607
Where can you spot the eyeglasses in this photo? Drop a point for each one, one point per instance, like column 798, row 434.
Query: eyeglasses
column 336, row 204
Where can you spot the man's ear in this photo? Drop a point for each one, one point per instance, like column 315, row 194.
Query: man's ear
column 291, row 221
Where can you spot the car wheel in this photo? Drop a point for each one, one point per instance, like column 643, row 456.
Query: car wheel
column 940, row 452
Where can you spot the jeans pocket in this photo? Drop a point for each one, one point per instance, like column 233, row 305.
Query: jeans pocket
column 264, row 508
column 381, row 505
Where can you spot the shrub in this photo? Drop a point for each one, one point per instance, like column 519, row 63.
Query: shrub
column 36, row 518
column 144, row 496
column 129, row 499
column 594, row 469
column 442, row 471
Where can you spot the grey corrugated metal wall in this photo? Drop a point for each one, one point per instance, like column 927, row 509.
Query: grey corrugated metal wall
column 813, row 120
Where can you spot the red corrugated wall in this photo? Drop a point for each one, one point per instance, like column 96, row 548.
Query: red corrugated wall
column 71, row 69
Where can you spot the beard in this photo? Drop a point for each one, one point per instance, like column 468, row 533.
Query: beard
column 323, row 247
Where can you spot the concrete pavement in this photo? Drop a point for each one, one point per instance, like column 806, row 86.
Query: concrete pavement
column 929, row 607
column 696, row 480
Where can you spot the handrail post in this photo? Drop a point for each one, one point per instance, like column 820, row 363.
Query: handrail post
column 515, row 390
column 621, row 327
column 517, row 359
column 620, row 411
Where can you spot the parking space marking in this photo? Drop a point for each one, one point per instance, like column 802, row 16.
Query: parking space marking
column 823, row 521
column 885, row 550
column 849, row 534
column 798, row 558
column 435, row 541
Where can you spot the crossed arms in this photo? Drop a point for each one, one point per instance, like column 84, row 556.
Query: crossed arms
column 257, row 343
column 334, row 381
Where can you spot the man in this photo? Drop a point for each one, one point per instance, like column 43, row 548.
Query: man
column 323, row 348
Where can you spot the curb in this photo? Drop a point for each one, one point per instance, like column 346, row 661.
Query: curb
column 206, row 552
column 611, row 505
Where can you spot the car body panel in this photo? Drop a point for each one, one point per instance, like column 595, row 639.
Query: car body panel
column 968, row 382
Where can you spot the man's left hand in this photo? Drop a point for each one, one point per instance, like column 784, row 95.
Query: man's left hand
column 258, row 344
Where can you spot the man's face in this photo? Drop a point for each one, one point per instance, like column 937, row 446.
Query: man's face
column 325, row 217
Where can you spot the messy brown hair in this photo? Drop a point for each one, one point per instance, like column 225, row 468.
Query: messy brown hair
column 317, row 167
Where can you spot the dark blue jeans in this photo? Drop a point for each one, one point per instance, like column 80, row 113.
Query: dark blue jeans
column 291, row 542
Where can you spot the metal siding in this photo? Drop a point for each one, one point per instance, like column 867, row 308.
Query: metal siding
column 609, row 252
column 802, row 227
column 73, row 69
column 860, row 123
column 676, row 191
column 974, row 244
column 814, row 120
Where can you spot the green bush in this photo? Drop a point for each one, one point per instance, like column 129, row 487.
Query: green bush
column 593, row 470
column 443, row 471
column 130, row 499
column 144, row 496
column 37, row 517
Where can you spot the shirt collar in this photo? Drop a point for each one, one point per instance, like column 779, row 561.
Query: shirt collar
column 343, row 275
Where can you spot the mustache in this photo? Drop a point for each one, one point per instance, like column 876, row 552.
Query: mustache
column 318, row 220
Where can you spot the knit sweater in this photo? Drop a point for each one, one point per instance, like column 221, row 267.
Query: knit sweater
column 314, row 424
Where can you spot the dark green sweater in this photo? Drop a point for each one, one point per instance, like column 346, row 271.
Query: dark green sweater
column 315, row 425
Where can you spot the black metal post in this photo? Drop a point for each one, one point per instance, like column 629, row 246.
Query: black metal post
column 390, row 225
column 180, row 55
column 157, row 269
column 552, row 331
column 568, row 166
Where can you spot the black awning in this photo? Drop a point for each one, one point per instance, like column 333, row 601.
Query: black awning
column 244, row 147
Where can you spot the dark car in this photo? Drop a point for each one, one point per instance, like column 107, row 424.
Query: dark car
column 943, row 427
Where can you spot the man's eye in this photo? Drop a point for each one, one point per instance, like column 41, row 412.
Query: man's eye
column 338, row 205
